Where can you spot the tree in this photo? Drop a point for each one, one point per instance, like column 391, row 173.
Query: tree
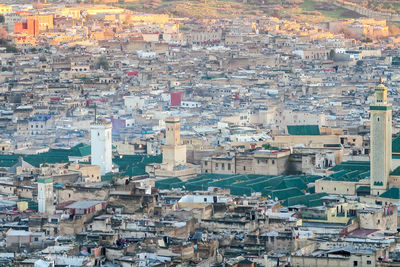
column 151, row 4
column 11, row 49
column 394, row 30
column 276, row 14
column 102, row 63
column 332, row 54
column 3, row 33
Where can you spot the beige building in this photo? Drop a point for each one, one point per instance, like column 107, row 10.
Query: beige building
column 316, row 141
column 204, row 36
column 89, row 173
column 336, row 257
column 266, row 162
column 339, row 187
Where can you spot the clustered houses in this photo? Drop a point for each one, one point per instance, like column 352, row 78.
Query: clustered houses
column 149, row 140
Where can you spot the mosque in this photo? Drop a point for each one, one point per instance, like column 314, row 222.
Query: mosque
column 384, row 170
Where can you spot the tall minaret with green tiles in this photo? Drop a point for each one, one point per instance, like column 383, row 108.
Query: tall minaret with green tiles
column 381, row 141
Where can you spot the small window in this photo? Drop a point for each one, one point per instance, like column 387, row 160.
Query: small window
column 355, row 263
column 244, row 168
column 229, row 166
column 205, row 199
column 369, row 262
column 273, row 161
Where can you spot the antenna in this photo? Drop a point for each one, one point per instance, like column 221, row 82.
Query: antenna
column 95, row 112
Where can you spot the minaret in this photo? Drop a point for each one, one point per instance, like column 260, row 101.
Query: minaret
column 381, row 141
column 101, row 145
column 45, row 195
column 173, row 152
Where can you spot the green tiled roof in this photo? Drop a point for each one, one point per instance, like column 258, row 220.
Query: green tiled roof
column 393, row 193
column 275, row 186
column 303, row 130
column 50, row 157
column 128, row 165
column 80, row 150
column 396, row 145
column 363, row 189
column 310, row 200
column 107, row 177
column 292, row 182
column 135, row 171
column 241, row 190
column 47, row 180
column 347, row 176
column 134, row 165
column 166, row 183
column 286, row 193
column 396, row 171
column 311, row 190
column 351, row 171
column 32, row 205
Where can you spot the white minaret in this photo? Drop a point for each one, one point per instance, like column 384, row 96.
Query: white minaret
column 101, row 145
column 45, row 195
column 381, row 141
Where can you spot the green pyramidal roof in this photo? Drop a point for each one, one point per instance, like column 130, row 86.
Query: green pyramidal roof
column 396, row 171
column 396, row 145
column 393, row 193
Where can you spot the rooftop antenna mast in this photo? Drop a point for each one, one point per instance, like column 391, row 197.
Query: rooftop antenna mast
column 95, row 112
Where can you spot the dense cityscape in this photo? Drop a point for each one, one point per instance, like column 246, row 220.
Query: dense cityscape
column 199, row 133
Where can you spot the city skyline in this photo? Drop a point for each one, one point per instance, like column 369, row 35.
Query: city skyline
column 199, row 133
